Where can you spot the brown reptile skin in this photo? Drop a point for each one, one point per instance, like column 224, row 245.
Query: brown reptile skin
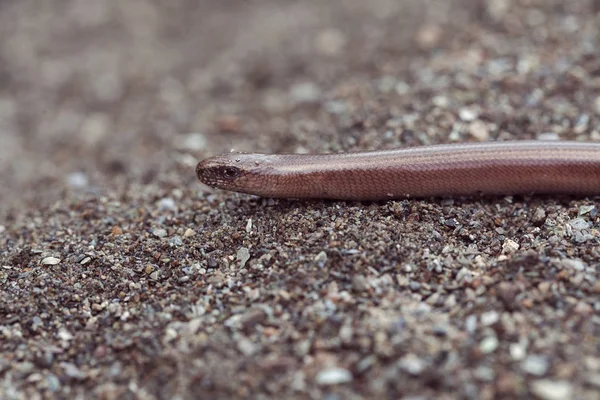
column 521, row 167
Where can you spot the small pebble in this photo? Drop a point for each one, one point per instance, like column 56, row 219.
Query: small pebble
column 467, row 114
column 535, row 365
column 582, row 123
column 72, row 371
column 572, row 263
column 25, row 367
column 243, row 255
column 50, row 261
column 592, row 210
column 539, row 216
column 167, row 204
column 189, row 233
column 479, row 130
column 579, row 224
column 471, row 323
column 441, row 101
column 176, row 241
column 53, row 383
column 359, row 283
column 489, row 344
column 321, row 259
column 36, row 322
column 509, row 246
column 489, row 318
column 412, row 364
column 517, row 351
column 63, row 334
column 484, row 373
column 547, row 389
column 333, row 376
column 583, row 308
column 159, row 232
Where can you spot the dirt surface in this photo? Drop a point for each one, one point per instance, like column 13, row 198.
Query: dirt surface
column 122, row 277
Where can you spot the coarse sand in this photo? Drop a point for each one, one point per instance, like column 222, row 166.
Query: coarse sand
column 122, row 277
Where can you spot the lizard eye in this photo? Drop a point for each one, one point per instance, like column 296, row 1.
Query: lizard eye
column 231, row 172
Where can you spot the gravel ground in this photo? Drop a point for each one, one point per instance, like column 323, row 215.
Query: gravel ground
column 122, row 277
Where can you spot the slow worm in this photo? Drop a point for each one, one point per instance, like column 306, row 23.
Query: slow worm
column 519, row 167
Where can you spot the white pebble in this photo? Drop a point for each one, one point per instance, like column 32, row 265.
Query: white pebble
column 333, row 376
column 489, row 318
column 535, row 365
column 471, row 323
column 64, row 334
column 467, row 114
column 517, row 351
column 50, row 261
column 546, row 389
column 412, row 364
column 488, row 344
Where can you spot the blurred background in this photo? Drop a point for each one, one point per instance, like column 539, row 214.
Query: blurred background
column 98, row 96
